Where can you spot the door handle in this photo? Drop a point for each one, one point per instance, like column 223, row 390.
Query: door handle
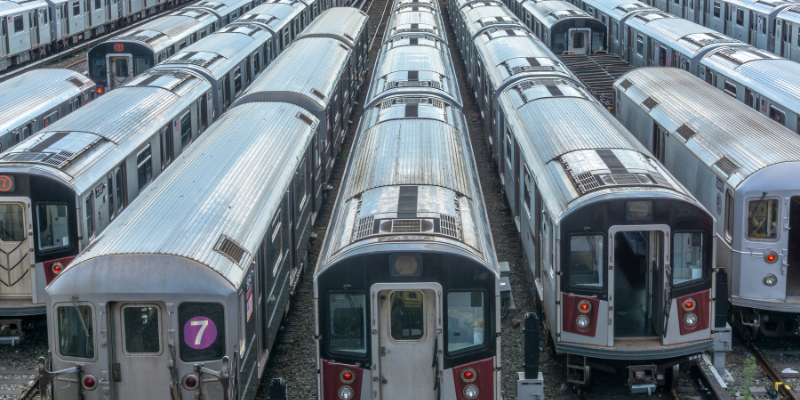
column 116, row 373
column 383, row 351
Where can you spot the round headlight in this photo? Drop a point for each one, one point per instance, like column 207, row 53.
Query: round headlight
column 471, row 392
column 770, row 257
column 770, row 280
column 582, row 322
column 690, row 319
column 584, row 306
column 689, row 304
column 347, row 376
column 345, row 393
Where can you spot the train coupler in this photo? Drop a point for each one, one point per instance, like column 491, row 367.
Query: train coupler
column 642, row 378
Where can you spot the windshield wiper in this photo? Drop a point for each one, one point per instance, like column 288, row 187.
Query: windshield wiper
column 753, row 213
column 80, row 317
column 350, row 300
column 591, row 247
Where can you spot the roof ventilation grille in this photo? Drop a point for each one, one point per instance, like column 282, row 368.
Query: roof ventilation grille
column 231, row 249
column 650, row 102
column 626, row 84
column 726, row 165
column 305, row 118
column 686, row 132
column 364, row 227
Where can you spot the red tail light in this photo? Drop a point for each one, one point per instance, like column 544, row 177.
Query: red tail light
column 89, row 382
column 190, row 382
column 474, row 381
column 341, row 381
column 693, row 312
column 100, row 90
column 55, row 267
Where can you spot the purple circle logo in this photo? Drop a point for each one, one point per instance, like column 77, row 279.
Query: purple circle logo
column 199, row 333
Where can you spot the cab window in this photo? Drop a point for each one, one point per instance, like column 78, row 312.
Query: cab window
column 586, row 262
column 348, row 321
column 52, row 225
column 687, row 257
column 141, row 329
column 75, row 331
column 202, row 331
column 762, row 219
column 466, row 320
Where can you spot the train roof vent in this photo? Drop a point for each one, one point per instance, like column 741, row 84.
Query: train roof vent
column 568, row 14
column 254, row 29
column 60, row 159
column 75, row 81
column 528, row 68
column 706, row 38
column 344, row 47
column 305, row 118
column 626, row 84
column 652, row 16
column 740, row 56
column 210, row 4
column 26, row 157
column 231, row 249
column 400, row 84
column 650, row 102
column 585, row 182
column 726, row 165
column 265, row 21
column 348, row 36
column 364, row 227
column 685, row 131
column 494, row 21
column 317, row 93
column 413, row 100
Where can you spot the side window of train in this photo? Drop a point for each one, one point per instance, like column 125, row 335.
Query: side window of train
column 52, row 226
column 614, row 30
column 509, row 147
column 76, row 8
column 762, row 219
column 466, row 316
column 237, row 80
column 739, row 17
column 716, row 9
column 144, row 168
column 72, row 342
column 256, row 63
column 18, row 24
column 276, row 244
column 585, row 260
column 729, row 216
column 202, row 331
column 639, row 45
column 186, row 130
column 527, row 191
column 777, row 115
column 302, row 186
column 687, row 257
column 88, row 215
column 167, row 148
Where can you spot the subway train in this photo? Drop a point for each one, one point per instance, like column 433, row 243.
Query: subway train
column 193, row 309
column 407, row 288
column 621, row 254
column 38, row 98
column 32, row 29
column 102, row 166
column 743, row 167
column 646, row 36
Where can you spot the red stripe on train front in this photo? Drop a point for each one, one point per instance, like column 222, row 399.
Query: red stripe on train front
column 475, row 380
column 341, row 378
column 53, row 268
column 583, row 308
column 693, row 311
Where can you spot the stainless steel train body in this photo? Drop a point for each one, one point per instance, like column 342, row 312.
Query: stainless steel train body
column 327, row 88
column 498, row 58
column 743, row 167
column 230, row 59
column 644, row 36
column 32, row 29
column 65, row 184
column 563, row 26
column 574, row 178
column 217, row 295
column 119, row 59
column 34, row 100
column 407, row 275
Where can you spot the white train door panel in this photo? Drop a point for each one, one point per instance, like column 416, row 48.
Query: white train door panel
column 76, row 17
column 16, row 248
column 97, row 13
column 33, row 21
column 19, row 39
column 3, row 38
column 44, row 26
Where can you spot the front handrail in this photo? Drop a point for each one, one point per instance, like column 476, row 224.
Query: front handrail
column 46, row 377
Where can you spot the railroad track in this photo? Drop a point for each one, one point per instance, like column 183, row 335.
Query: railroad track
column 772, row 370
column 84, row 46
column 17, row 377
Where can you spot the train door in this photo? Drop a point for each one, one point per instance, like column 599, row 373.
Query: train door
column 579, row 40
column 727, row 20
column 659, row 137
column 629, row 41
column 752, row 30
column 139, row 337
column 18, row 37
column 751, row 98
column 16, row 245
column 407, row 339
column 119, row 69
column 793, row 270
column 638, row 275
column 33, row 17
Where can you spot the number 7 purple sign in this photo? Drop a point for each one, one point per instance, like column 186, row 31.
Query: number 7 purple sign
column 199, row 333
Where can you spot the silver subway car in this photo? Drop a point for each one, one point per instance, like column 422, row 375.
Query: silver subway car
column 325, row 88
column 565, row 28
column 65, row 184
column 193, row 309
column 744, row 168
column 36, row 99
column 407, row 284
